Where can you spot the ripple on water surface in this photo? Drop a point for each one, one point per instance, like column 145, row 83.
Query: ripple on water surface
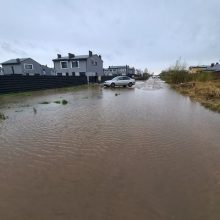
column 146, row 153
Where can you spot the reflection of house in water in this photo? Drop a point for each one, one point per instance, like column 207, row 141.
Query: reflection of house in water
column 119, row 70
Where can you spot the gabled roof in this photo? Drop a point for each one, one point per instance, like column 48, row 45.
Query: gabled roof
column 14, row 61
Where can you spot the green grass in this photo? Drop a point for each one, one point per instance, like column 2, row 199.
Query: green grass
column 16, row 94
column 58, row 102
column 64, row 89
column 45, row 103
column 64, row 102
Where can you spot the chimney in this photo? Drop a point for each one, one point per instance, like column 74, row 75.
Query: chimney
column 71, row 55
column 58, row 56
column 100, row 56
column 90, row 53
column 18, row 60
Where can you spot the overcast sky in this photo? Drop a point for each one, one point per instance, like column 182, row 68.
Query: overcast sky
column 140, row 33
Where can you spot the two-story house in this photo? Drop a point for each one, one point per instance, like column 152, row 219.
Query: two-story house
column 80, row 65
column 25, row 66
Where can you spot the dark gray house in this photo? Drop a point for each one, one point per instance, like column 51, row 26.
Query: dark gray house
column 119, row 70
column 25, row 66
column 82, row 65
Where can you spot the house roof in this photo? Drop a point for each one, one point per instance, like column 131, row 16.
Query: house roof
column 216, row 67
column 80, row 57
column 14, row 61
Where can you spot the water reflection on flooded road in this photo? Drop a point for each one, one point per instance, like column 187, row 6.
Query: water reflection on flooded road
column 147, row 153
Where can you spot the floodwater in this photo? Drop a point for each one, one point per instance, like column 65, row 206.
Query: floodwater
column 143, row 153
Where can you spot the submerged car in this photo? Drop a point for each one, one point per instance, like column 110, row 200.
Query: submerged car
column 120, row 81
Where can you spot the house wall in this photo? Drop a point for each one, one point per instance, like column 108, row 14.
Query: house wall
column 19, row 68
column 93, row 70
column 37, row 68
column 70, row 70
column 8, row 69
column 196, row 70
column 47, row 71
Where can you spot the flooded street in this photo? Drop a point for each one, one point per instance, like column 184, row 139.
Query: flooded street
column 145, row 153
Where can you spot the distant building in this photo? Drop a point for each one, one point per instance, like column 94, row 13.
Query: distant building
column 119, row 70
column 25, row 66
column 82, row 65
column 197, row 69
column 215, row 67
column 47, row 70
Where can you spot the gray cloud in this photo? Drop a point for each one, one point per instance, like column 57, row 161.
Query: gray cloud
column 6, row 47
column 142, row 33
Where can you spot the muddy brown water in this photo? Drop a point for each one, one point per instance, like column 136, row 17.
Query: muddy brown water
column 147, row 153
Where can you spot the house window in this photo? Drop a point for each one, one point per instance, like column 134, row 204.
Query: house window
column 64, row 64
column 94, row 63
column 75, row 64
column 28, row 66
column 67, row 74
column 73, row 74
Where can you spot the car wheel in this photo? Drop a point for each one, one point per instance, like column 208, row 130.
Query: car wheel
column 130, row 84
column 113, row 85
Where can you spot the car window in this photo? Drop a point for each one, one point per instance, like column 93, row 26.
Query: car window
column 116, row 78
column 125, row 78
column 120, row 78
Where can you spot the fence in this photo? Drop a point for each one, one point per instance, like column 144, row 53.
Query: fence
column 12, row 83
column 18, row 83
column 94, row 79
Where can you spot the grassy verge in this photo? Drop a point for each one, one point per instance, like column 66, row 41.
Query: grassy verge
column 207, row 93
column 16, row 94
column 64, row 89
column 203, row 87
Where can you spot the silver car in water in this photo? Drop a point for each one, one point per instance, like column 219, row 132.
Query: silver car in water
column 120, row 81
